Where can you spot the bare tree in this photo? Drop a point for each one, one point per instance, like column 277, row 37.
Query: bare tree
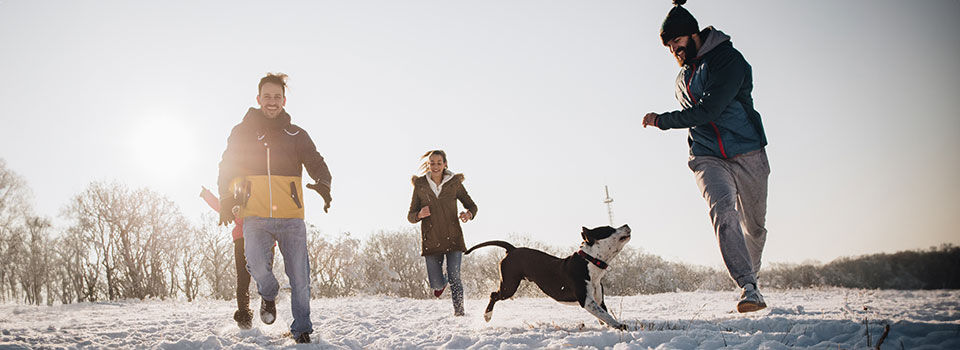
column 335, row 265
column 190, row 263
column 167, row 234
column 80, row 269
column 91, row 211
column 14, row 256
column 14, row 209
column 132, row 235
column 393, row 265
column 216, row 249
column 34, row 269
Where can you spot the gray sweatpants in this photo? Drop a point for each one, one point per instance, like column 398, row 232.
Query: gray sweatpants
column 736, row 192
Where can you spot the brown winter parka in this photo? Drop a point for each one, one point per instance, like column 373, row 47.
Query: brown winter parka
column 440, row 232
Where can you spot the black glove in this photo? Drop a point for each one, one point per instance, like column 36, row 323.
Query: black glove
column 226, row 210
column 324, row 192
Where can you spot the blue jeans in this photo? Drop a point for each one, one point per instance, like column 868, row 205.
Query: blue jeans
column 437, row 279
column 259, row 235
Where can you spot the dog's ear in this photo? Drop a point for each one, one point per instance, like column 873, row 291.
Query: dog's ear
column 586, row 236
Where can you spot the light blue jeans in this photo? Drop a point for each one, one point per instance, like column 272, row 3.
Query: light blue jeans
column 438, row 280
column 259, row 235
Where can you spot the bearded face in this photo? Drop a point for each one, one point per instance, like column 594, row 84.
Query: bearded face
column 683, row 48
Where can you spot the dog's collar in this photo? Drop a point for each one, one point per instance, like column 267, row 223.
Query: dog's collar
column 600, row 263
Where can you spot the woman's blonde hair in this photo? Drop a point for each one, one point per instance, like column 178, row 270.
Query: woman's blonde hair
column 425, row 166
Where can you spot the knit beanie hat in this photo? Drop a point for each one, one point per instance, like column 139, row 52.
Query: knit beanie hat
column 679, row 22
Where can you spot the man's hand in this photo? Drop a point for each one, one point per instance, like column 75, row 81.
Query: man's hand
column 324, row 192
column 227, row 214
column 466, row 216
column 651, row 119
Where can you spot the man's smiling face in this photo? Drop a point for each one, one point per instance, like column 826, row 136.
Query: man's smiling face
column 271, row 100
column 683, row 48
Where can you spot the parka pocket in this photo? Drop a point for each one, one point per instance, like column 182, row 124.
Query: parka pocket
column 245, row 193
column 293, row 194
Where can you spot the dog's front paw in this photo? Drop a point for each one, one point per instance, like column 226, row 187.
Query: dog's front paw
column 487, row 316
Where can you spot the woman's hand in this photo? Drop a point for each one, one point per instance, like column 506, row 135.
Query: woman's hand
column 465, row 216
column 424, row 212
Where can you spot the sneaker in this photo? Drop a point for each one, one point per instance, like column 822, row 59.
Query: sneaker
column 750, row 299
column 303, row 338
column 438, row 292
column 244, row 318
column 268, row 311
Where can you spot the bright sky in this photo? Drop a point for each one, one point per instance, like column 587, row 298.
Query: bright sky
column 539, row 103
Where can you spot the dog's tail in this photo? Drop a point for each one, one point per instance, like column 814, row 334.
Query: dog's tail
column 509, row 247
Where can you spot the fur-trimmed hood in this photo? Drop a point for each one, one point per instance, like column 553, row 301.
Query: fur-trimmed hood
column 459, row 177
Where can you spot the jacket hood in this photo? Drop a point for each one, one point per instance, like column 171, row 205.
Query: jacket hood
column 456, row 177
column 256, row 117
column 711, row 39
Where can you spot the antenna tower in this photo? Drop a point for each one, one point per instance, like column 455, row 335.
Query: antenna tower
column 609, row 202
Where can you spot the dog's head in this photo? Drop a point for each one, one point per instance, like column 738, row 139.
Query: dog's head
column 605, row 241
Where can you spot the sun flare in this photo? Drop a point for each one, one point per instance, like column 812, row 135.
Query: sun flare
column 161, row 147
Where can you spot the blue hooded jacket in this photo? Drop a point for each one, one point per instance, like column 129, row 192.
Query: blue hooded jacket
column 717, row 107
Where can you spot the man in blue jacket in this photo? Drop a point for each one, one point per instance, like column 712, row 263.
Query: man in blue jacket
column 726, row 142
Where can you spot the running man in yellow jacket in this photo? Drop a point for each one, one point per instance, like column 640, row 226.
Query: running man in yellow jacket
column 261, row 173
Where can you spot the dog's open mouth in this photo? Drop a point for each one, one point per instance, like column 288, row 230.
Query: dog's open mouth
column 625, row 237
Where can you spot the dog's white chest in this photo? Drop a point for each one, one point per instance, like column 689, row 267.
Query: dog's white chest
column 596, row 290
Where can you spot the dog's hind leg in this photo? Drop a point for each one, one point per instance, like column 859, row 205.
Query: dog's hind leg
column 489, row 312
column 509, row 283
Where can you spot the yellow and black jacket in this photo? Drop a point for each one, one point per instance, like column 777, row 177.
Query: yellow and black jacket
column 262, row 164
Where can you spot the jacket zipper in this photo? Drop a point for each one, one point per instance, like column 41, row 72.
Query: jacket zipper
column 269, row 179
column 716, row 129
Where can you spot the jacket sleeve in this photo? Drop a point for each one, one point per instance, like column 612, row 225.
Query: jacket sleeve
column 229, row 163
column 414, row 207
column 726, row 74
column 468, row 203
column 312, row 160
column 210, row 198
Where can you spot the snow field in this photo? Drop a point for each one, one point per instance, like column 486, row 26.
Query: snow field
column 815, row 318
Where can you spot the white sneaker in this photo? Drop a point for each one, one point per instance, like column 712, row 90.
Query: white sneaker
column 750, row 300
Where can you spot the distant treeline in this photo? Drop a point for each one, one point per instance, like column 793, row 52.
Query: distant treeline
column 935, row 268
column 123, row 243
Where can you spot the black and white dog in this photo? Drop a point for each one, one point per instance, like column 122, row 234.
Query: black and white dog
column 573, row 279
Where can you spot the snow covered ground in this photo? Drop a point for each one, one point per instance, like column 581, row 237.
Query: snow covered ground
column 821, row 319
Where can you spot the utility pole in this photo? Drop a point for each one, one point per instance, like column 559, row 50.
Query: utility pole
column 609, row 202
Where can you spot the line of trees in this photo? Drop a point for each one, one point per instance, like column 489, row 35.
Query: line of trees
column 123, row 243
column 933, row 268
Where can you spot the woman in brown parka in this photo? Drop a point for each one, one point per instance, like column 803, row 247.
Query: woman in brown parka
column 434, row 205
